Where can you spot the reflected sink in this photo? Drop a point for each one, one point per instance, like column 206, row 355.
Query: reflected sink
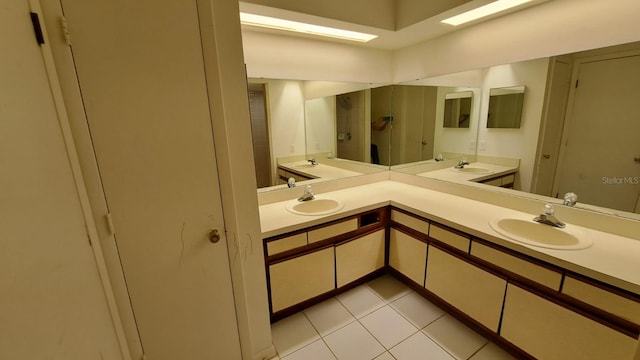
column 317, row 206
column 536, row 234
column 304, row 166
column 472, row 170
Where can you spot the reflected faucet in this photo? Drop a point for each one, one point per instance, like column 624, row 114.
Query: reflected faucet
column 462, row 163
column 313, row 161
column 308, row 194
column 291, row 182
column 570, row 199
column 547, row 217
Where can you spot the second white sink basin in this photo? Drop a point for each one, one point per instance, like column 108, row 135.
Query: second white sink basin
column 472, row 170
column 536, row 234
column 317, row 206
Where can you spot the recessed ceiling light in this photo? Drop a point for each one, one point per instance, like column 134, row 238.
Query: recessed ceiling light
column 288, row 25
column 483, row 11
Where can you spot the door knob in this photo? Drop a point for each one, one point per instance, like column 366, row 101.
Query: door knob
column 214, row 236
column 424, row 142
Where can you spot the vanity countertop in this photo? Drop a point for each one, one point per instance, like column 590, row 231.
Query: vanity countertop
column 318, row 171
column 612, row 259
column 452, row 174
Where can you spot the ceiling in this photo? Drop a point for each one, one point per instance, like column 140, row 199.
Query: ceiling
column 398, row 23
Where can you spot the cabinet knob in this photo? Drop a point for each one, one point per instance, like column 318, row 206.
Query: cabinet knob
column 546, row 156
column 214, row 236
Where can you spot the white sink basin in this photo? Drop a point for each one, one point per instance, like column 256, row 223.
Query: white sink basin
column 304, row 166
column 536, row 234
column 472, row 170
column 317, row 206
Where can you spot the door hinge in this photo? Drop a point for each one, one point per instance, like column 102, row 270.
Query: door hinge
column 89, row 238
column 577, row 81
column 112, row 229
column 65, row 30
column 37, row 28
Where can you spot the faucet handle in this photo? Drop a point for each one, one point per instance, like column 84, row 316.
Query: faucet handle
column 548, row 209
column 570, row 199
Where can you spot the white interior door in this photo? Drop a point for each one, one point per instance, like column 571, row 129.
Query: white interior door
column 52, row 303
column 603, row 137
column 141, row 73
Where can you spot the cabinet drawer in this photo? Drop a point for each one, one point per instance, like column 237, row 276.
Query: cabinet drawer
column 602, row 299
column 407, row 255
column 508, row 179
column 531, row 271
column 301, row 278
column 474, row 291
column 410, row 221
column 449, row 237
column 288, row 243
column 359, row 257
column 332, row 230
column 547, row 330
column 493, row 182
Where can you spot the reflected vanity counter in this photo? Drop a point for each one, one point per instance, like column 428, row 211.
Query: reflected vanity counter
column 326, row 169
column 490, row 174
column 304, row 170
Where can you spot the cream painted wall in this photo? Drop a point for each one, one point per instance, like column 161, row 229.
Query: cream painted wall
column 286, row 110
column 515, row 143
column 281, row 57
column 552, row 28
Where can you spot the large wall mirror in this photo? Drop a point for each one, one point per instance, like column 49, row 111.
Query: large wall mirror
column 569, row 135
column 568, row 139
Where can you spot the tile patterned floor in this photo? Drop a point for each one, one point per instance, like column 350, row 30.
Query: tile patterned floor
column 381, row 320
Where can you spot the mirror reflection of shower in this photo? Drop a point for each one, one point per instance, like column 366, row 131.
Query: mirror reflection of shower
column 350, row 120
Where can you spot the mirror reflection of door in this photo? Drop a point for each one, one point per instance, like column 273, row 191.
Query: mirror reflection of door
column 602, row 136
column 260, row 134
column 553, row 122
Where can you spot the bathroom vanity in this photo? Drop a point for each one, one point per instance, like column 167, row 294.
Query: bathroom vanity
column 536, row 302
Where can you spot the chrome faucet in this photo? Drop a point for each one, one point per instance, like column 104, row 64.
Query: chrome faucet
column 313, row 161
column 308, row 194
column 570, row 199
column 462, row 163
column 547, row 217
column 291, row 182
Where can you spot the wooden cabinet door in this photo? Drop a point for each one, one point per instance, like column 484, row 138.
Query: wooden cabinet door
column 474, row 291
column 301, row 278
column 408, row 255
column 359, row 257
column 547, row 330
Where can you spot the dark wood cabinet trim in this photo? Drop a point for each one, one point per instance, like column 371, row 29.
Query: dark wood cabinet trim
column 461, row 316
column 614, row 322
column 604, row 286
column 621, row 325
column 411, row 232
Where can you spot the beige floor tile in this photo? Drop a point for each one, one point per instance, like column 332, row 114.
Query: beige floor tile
column 418, row 310
column 293, row 333
column 389, row 327
column 455, row 337
column 360, row 301
column 419, row 347
column 353, row 342
column 317, row 350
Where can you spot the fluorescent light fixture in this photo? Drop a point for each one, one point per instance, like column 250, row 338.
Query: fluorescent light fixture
column 288, row 25
column 483, row 11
